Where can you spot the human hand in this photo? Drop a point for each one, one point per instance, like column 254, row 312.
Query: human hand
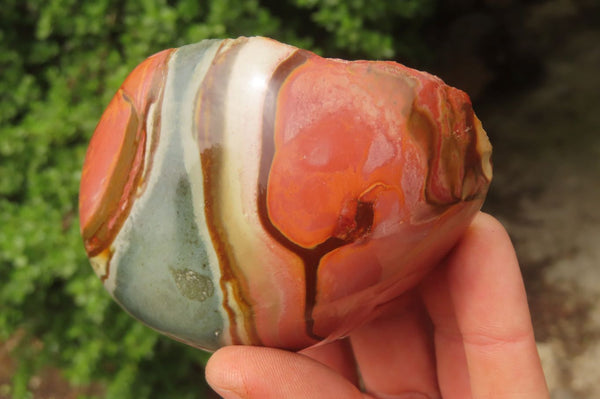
column 465, row 332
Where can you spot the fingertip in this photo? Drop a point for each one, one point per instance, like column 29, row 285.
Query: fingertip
column 257, row 372
column 223, row 375
column 488, row 232
column 487, row 219
column 485, row 259
column 485, row 280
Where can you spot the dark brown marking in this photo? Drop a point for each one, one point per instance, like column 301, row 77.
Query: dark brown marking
column 473, row 166
column 451, row 162
column 311, row 257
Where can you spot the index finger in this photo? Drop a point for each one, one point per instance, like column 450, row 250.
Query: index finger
column 478, row 306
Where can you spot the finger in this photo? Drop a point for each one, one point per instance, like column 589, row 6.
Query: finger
column 452, row 369
column 491, row 315
column 264, row 373
column 395, row 354
column 337, row 356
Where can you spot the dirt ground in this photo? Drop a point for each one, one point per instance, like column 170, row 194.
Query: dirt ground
column 546, row 191
column 544, row 123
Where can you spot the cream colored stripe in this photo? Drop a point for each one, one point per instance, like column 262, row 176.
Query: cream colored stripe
column 257, row 255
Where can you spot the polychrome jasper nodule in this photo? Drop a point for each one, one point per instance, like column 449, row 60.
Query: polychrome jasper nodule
column 249, row 192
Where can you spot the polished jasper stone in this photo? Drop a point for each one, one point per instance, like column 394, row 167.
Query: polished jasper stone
column 249, row 192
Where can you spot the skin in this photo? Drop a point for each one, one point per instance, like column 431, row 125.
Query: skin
column 465, row 332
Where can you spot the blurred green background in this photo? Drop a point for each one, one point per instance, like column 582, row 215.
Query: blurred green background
column 60, row 63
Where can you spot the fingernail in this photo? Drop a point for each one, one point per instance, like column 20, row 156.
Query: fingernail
column 227, row 394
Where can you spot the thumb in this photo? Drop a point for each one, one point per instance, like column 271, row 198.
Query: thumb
column 237, row 372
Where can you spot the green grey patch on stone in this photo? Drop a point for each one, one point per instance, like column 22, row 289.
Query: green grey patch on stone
column 164, row 277
column 192, row 285
column 185, row 215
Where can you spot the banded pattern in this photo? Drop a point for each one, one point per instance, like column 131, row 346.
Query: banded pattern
column 248, row 192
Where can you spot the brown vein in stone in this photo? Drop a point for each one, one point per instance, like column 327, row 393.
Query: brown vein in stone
column 311, row 257
column 209, row 123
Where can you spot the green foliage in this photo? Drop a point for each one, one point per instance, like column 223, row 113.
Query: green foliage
column 371, row 29
column 60, row 63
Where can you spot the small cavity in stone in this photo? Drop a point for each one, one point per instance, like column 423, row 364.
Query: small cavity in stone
column 193, row 285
